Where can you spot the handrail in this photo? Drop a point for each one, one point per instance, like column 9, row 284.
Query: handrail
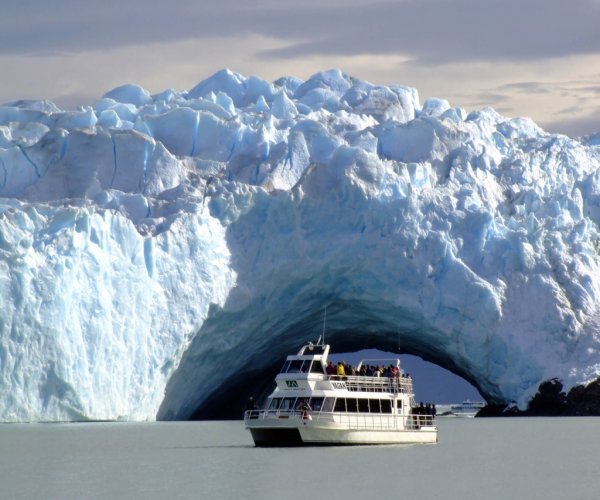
column 358, row 421
column 263, row 414
column 374, row 384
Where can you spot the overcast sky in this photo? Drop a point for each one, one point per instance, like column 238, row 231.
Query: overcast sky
column 536, row 58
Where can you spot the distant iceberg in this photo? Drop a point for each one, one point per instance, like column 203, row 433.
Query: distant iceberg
column 159, row 250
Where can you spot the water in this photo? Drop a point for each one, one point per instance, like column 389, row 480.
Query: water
column 521, row 458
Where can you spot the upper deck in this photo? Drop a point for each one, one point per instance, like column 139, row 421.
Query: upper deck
column 307, row 370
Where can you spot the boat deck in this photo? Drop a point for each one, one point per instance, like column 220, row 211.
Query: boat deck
column 368, row 421
column 360, row 383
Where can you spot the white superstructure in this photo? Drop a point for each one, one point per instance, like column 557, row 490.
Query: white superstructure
column 311, row 407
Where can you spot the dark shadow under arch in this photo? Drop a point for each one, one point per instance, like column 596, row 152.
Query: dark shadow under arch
column 229, row 400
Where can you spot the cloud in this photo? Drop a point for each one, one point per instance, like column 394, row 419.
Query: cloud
column 431, row 31
column 535, row 58
column 582, row 93
column 526, row 87
column 491, row 99
column 575, row 127
column 441, row 31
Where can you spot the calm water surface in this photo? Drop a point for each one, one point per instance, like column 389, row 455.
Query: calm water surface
column 522, row 458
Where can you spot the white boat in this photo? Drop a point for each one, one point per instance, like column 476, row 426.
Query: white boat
column 311, row 407
column 465, row 409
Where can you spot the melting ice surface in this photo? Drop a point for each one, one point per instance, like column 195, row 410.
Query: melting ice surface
column 156, row 250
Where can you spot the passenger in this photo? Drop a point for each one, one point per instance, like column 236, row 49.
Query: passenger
column 340, row 371
column 302, row 405
column 305, row 408
column 252, row 407
column 330, row 369
column 251, row 404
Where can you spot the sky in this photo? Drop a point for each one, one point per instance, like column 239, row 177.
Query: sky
column 534, row 58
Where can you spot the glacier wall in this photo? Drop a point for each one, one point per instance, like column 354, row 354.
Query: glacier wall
column 159, row 250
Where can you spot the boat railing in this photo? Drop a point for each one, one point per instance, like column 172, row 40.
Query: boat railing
column 283, row 414
column 362, row 383
column 359, row 421
column 418, row 421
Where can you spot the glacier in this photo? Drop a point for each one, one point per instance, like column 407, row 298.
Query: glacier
column 160, row 254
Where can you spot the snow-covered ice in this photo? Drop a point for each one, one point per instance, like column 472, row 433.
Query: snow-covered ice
column 151, row 244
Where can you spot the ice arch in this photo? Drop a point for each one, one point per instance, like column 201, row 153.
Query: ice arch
column 445, row 278
column 240, row 372
column 157, row 249
column 383, row 281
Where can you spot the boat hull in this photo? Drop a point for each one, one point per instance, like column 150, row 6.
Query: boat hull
column 273, row 436
column 360, row 437
column 297, row 432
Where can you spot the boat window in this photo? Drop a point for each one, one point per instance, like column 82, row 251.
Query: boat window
column 316, row 404
column 285, row 367
column 363, row 405
column 328, row 404
column 399, row 404
column 386, row 406
column 374, row 406
column 340, row 404
column 317, row 367
column 288, row 404
column 275, row 404
column 297, row 366
column 351, row 405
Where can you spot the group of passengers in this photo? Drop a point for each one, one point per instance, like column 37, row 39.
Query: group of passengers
column 344, row 369
column 427, row 409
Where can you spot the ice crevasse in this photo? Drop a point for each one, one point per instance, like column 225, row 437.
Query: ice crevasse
column 159, row 250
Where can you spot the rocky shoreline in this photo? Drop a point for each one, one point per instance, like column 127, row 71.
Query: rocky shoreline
column 552, row 401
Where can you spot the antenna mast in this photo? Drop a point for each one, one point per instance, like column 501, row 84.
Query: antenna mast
column 324, row 320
